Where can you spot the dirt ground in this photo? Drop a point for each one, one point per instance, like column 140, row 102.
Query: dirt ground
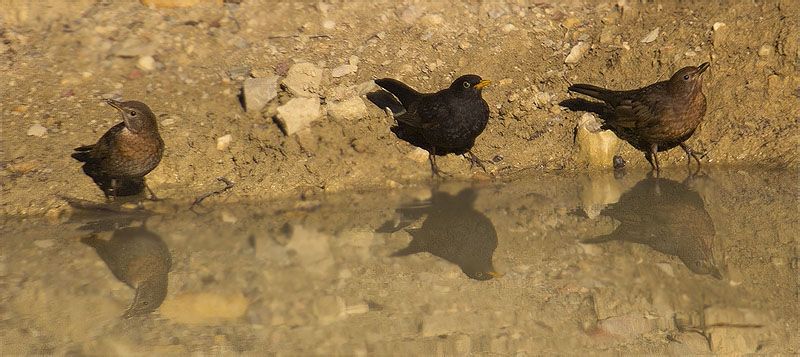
column 59, row 59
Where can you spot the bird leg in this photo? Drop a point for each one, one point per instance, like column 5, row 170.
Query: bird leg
column 152, row 195
column 652, row 158
column 434, row 169
column 692, row 153
column 474, row 160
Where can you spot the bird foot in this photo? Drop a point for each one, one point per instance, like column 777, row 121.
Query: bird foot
column 475, row 161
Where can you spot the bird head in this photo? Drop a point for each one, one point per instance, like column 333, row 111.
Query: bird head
column 136, row 115
column 149, row 295
column 469, row 82
column 688, row 79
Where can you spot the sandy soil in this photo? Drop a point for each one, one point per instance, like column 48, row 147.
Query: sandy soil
column 58, row 59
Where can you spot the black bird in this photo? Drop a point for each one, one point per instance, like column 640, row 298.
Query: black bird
column 670, row 218
column 447, row 121
column 139, row 258
column 657, row 117
column 453, row 231
column 126, row 153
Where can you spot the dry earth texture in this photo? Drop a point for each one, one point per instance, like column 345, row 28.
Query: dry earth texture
column 59, row 58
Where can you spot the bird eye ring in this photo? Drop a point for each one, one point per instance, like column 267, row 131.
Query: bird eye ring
column 686, row 77
column 133, row 113
column 466, row 84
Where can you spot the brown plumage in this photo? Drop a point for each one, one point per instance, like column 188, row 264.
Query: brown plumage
column 126, row 153
column 657, row 117
column 447, row 121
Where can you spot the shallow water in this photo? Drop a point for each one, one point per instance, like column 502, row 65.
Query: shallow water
column 544, row 262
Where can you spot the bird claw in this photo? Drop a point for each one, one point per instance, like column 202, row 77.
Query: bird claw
column 474, row 160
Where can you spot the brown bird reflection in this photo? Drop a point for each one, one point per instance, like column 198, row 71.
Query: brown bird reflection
column 453, row 231
column 139, row 258
column 670, row 218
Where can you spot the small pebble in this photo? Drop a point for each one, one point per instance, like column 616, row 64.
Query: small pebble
column 146, row 63
column 577, row 52
column 224, row 141
column 343, row 70
column 765, row 50
column 44, row 243
column 328, row 24
column 508, row 28
column 651, row 36
column 36, row 130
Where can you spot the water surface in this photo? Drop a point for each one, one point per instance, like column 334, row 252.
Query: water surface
column 544, row 262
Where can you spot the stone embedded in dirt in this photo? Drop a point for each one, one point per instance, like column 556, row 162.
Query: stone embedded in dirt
column 224, row 141
column 36, row 130
column 146, row 63
column 765, row 50
column 134, row 48
column 298, row 114
column 44, row 243
column 577, row 52
column 303, row 79
column 596, row 147
column 343, row 70
column 721, row 33
column 348, row 109
column 259, row 91
column 650, row 37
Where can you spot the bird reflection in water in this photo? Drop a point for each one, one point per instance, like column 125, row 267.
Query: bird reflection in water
column 453, row 230
column 670, row 218
column 139, row 258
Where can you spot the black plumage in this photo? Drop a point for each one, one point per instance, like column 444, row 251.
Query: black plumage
column 447, row 121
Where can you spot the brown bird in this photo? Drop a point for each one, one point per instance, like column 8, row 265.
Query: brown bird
column 448, row 121
column 139, row 258
column 126, row 153
column 657, row 117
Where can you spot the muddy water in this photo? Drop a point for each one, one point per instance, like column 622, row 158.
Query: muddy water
column 544, row 262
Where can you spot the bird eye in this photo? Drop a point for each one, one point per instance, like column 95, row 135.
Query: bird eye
column 686, row 77
column 466, row 84
column 133, row 113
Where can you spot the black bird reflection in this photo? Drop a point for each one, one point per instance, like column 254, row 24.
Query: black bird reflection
column 453, row 231
column 139, row 258
column 670, row 218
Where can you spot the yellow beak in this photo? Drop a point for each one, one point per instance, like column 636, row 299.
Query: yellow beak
column 492, row 273
column 483, row 83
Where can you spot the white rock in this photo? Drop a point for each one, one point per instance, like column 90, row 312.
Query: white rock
column 718, row 25
column 651, row 36
column 418, row 155
column 596, row 147
column 577, row 52
column 328, row 24
column 348, row 109
column 303, row 79
column 343, row 70
column 765, row 50
column 508, row 28
column 146, row 63
column 44, row 243
column 259, row 91
column 224, row 141
column 298, row 114
column 36, row 130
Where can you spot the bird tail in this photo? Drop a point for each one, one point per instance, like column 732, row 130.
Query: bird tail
column 592, row 91
column 404, row 93
column 82, row 153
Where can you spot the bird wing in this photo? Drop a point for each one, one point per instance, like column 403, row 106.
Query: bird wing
column 640, row 108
